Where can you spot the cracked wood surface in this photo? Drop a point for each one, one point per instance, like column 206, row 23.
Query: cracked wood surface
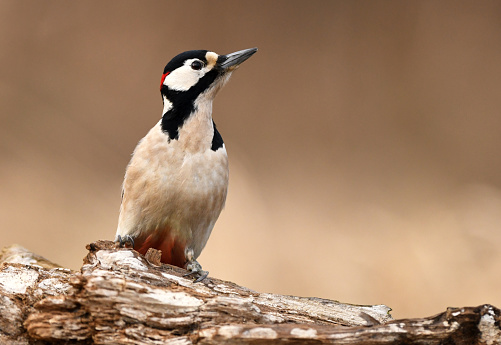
column 122, row 297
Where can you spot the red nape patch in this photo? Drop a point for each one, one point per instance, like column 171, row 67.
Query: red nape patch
column 163, row 78
column 172, row 248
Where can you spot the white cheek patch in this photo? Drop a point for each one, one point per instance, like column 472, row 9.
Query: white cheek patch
column 184, row 77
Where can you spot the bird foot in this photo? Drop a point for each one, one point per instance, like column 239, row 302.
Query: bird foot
column 123, row 241
column 195, row 269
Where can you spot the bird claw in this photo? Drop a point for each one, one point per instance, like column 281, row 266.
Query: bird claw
column 123, row 241
column 201, row 275
column 195, row 269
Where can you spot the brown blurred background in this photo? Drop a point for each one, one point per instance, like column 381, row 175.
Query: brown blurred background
column 364, row 139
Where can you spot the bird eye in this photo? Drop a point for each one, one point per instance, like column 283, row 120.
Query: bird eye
column 196, row 65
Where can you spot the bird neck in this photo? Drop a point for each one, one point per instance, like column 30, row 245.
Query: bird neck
column 189, row 123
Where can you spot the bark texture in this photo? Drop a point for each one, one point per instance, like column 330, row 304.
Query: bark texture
column 122, row 297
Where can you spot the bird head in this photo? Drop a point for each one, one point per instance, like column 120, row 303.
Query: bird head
column 200, row 70
column 191, row 77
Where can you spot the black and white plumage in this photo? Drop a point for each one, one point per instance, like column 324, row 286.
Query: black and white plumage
column 176, row 182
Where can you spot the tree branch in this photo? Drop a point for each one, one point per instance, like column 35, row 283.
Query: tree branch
column 122, row 297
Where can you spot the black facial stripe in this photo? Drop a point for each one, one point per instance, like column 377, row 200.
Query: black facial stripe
column 217, row 139
column 174, row 119
column 183, row 103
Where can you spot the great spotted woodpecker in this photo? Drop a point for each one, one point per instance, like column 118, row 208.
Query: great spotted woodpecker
column 176, row 182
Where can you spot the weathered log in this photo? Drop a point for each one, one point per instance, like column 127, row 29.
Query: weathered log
column 122, row 297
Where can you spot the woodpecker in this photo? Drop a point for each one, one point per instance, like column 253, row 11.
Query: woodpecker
column 176, row 182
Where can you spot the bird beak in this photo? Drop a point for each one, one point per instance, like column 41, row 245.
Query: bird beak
column 231, row 61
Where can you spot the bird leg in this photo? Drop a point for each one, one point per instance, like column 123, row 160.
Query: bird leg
column 194, row 268
column 123, row 241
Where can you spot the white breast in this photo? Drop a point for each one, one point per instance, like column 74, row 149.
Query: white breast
column 180, row 183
